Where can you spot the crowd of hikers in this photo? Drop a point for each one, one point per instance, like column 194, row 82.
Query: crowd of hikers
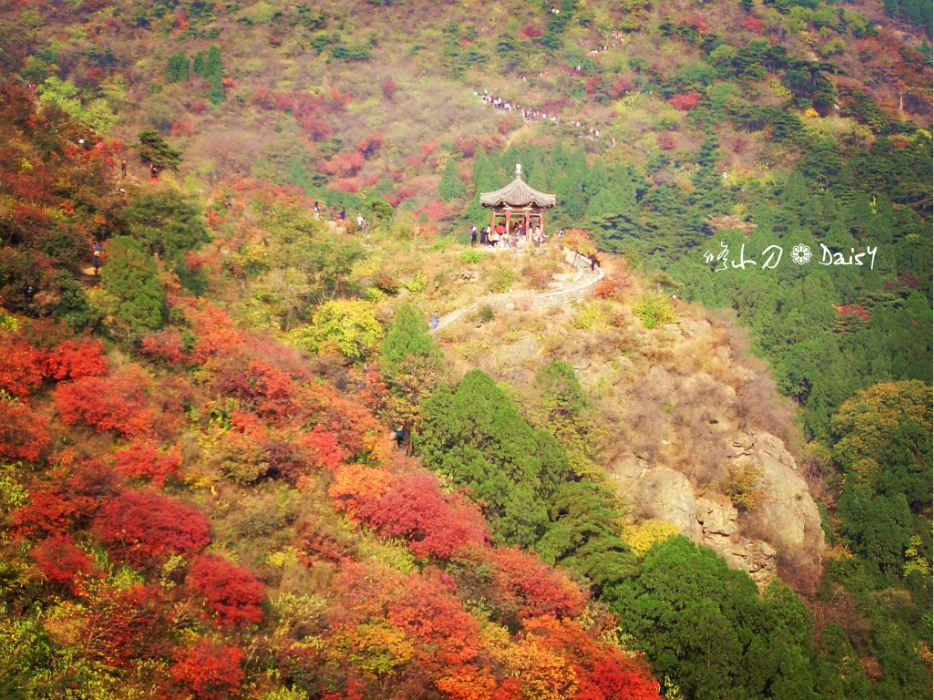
column 516, row 236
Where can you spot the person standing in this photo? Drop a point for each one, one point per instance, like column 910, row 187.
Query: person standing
column 96, row 258
column 342, row 215
column 317, row 210
column 473, row 236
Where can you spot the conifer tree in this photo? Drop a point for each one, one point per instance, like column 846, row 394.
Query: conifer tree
column 476, row 436
column 408, row 336
column 177, row 68
column 130, row 275
column 153, row 150
column 411, row 363
column 451, row 186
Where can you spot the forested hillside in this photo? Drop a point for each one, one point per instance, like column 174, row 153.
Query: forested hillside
column 235, row 463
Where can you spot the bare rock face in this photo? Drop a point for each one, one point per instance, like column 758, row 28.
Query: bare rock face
column 786, row 518
column 658, row 492
column 787, row 512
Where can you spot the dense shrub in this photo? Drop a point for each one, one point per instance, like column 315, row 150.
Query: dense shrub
column 232, row 592
column 61, row 562
column 24, row 434
column 141, row 526
column 118, row 402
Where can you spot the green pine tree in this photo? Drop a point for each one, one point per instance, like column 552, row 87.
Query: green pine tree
column 131, row 276
column 451, row 186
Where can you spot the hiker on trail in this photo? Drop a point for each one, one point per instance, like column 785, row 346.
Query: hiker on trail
column 361, row 223
column 153, row 173
column 96, row 258
column 594, row 263
column 434, row 320
column 123, row 167
column 473, row 236
column 342, row 214
column 317, row 211
column 485, row 236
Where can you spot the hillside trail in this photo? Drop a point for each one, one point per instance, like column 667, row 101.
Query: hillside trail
column 580, row 286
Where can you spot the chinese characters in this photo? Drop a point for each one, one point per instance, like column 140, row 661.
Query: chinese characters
column 800, row 255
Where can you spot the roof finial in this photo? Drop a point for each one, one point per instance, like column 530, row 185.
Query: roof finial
column 518, row 171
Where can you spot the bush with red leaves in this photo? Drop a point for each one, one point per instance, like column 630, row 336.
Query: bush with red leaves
column 371, row 143
column 208, row 671
column 535, row 587
column 75, row 359
column 65, row 497
column 118, row 402
column 24, row 434
column 144, row 461
column 322, row 448
column 141, row 526
column 605, row 288
column 685, row 102
column 61, row 562
column 168, row 345
column 20, row 367
column 434, row 525
column 123, row 624
column 232, row 593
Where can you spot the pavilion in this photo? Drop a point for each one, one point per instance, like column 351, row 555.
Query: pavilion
column 519, row 203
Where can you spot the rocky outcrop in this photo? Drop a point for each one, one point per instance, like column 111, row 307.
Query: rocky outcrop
column 786, row 518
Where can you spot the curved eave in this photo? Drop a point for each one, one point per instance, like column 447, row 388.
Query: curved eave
column 517, row 194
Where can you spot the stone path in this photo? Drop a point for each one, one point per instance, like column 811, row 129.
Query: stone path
column 577, row 288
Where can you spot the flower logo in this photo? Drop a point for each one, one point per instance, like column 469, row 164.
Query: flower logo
column 801, row 254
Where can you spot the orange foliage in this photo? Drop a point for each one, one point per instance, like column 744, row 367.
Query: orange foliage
column 603, row 672
column 345, row 164
column 685, row 102
column 371, row 143
column 428, row 609
column 353, row 482
column 216, row 334
column 207, row 670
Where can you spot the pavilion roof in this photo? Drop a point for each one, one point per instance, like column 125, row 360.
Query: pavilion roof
column 517, row 194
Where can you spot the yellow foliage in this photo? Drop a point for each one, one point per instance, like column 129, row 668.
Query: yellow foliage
column 642, row 536
column 914, row 560
column 542, row 674
column 287, row 556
